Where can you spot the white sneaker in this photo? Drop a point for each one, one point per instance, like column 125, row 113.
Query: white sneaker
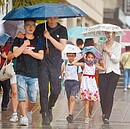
column 125, row 89
column 87, row 120
column 128, row 86
column 29, row 115
column 23, row 121
column 14, row 117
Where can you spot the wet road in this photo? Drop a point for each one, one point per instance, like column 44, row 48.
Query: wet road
column 120, row 118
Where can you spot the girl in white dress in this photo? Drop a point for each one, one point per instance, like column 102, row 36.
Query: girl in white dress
column 89, row 90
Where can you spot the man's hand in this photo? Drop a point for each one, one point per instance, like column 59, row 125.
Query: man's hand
column 26, row 42
column 47, row 34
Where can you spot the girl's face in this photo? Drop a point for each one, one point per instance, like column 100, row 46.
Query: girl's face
column 71, row 57
column 90, row 57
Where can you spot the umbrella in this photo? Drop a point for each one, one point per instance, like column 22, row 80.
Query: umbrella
column 100, row 29
column 93, row 50
column 3, row 39
column 13, row 27
column 1, row 27
column 45, row 10
column 75, row 32
column 70, row 49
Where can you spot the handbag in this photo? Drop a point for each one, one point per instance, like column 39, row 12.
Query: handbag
column 7, row 71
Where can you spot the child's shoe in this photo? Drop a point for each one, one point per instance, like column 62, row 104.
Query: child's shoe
column 70, row 119
column 86, row 120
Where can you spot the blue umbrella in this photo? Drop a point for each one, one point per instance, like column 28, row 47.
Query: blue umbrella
column 76, row 32
column 4, row 38
column 45, row 10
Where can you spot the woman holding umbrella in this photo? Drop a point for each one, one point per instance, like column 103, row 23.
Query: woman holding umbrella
column 108, row 80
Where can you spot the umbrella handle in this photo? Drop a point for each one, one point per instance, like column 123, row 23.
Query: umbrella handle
column 47, row 48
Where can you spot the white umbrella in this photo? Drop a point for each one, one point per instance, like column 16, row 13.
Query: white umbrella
column 70, row 49
column 100, row 29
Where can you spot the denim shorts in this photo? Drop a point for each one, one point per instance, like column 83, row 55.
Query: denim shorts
column 27, row 88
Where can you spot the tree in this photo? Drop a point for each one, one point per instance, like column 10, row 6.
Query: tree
column 22, row 3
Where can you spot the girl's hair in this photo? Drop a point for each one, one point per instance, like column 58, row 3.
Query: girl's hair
column 89, row 53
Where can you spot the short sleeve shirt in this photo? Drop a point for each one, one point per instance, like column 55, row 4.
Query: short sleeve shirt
column 53, row 59
column 26, row 64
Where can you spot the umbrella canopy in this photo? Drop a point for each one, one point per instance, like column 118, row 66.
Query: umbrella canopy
column 70, row 49
column 13, row 27
column 100, row 29
column 76, row 32
column 4, row 38
column 45, row 10
column 92, row 49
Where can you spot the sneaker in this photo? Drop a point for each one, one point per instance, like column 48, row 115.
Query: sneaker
column 49, row 113
column 125, row 89
column 24, row 121
column 128, row 86
column 29, row 116
column 87, row 120
column 14, row 117
column 45, row 119
column 106, row 121
column 69, row 118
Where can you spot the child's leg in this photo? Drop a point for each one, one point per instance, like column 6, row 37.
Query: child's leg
column 91, row 105
column 72, row 103
column 86, row 108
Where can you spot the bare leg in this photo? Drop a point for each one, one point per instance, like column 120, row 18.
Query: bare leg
column 30, row 106
column 22, row 106
column 86, row 108
column 72, row 103
column 91, row 105
column 14, row 97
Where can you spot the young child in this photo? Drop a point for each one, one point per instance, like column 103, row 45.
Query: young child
column 72, row 86
column 89, row 89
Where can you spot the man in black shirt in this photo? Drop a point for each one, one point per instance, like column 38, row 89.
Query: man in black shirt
column 55, row 35
column 28, row 51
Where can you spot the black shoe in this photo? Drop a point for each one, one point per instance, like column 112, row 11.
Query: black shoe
column 106, row 121
column 45, row 119
column 49, row 113
column 70, row 119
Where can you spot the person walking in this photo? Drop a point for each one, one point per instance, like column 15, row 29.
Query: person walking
column 28, row 52
column 5, row 84
column 72, row 85
column 13, row 82
column 125, row 60
column 89, row 89
column 111, row 51
column 55, row 35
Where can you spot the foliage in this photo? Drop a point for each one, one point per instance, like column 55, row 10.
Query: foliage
column 22, row 3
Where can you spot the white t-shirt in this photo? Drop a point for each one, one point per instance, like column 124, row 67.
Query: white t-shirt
column 71, row 71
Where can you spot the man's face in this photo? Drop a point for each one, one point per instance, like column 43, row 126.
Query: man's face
column 30, row 27
column 52, row 21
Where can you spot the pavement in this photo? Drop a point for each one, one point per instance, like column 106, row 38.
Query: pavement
column 120, row 117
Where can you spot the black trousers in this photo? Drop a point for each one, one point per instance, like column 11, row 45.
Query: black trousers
column 46, row 75
column 107, row 85
column 6, row 89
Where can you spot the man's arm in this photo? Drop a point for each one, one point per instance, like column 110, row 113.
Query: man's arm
column 19, row 50
column 37, row 55
column 59, row 45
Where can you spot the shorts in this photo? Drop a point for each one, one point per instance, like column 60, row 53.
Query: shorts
column 72, row 87
column 13, row 79
column 27, row 88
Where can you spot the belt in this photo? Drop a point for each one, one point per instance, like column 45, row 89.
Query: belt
column 92, row 76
